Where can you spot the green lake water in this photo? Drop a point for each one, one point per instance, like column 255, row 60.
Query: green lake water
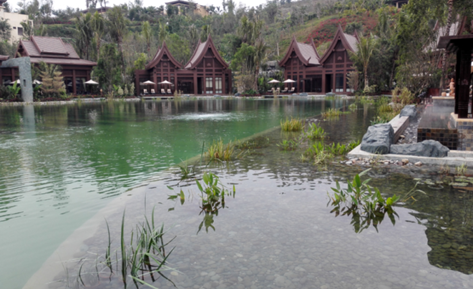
column 63, row 166
column 60, row 164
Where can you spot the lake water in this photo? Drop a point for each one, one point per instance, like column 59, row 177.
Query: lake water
column 72, row 168
column 60, row 164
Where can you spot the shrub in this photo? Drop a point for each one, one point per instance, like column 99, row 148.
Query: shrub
column 403, row 96
column 219, row 151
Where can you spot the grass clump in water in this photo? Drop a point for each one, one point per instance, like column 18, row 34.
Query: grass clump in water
column 331, row 113
column 292, row 124
column 288, row 145
column 315, row 132
column 219, row 151
column 364, row 203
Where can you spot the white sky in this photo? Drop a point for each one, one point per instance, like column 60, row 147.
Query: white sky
column 63, row 4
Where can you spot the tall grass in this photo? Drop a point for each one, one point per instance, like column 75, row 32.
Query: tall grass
column 219, row 151
column 293, row 124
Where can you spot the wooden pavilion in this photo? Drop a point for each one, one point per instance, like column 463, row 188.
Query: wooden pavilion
column 205, row 73
column 52, row 50
column 313, row 73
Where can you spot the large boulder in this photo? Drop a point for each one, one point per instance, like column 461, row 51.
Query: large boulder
column 378, row 139
column 410, row 111
column 427, row 148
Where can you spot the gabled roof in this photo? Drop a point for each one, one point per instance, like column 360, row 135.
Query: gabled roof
column 348, row 41
column 307, row 53
column 4, row 57
column 159, row 55
column 51, row 50
column 200, row 51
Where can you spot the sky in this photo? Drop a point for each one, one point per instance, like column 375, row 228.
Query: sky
column 63, row 4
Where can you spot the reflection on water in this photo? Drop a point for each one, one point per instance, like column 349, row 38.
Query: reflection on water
column 278, row 232
column 61, row 164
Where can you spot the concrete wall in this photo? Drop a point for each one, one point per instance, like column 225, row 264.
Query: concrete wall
column 24, row 68
column 464, row 127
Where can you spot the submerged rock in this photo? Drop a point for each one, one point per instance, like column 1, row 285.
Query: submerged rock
column 427, row 148
column 378, row 139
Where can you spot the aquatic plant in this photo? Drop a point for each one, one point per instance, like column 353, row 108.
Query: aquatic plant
column 341, row 149
column 352, row 107
column 332, row 97
column 364, row 100
column 186, row 170
column 330, row 113
column 288, row 145
column 292, row 124
column 315, row 132
column 364, row 203
column 139, row 260
column 219, row 151
column 212, row 199
column 461, row 170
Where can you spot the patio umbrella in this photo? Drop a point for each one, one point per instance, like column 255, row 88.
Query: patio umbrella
column 274, row 81
column 289, row 81
column 165, row 82
column 148, row 82
column 91, row 82
column 36, row 82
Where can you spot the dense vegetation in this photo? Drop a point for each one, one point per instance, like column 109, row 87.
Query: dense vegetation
column 395, row 47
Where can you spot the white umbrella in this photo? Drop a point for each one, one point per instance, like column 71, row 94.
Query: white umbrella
column 91, row 82
column 148, row 82
column 165, row 82
column 274, row 81
column 36, row 82
column 17, row 81
column 289, row 81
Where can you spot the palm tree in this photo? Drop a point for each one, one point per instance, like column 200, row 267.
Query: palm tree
column 163, row 32
column 117, row 27
column 84, row 34
column 193, row 34
column 146, row 31
column 366, row 47
column 260, row 55
column 98, row 27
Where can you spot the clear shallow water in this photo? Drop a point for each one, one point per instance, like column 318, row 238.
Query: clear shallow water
column 60, row 164
column 279, row 233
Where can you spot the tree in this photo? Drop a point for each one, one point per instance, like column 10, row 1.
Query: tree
column 98, row 27
column 193, row 36
column 52, row 80
column 366, row 47
column 179, row 47
column 108, row 69
column 84, row 34
column 5, row 29
column 146, row 31
column 117, row 28
column 447, row 33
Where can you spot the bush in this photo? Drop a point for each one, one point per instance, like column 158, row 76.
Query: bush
column 403, row 96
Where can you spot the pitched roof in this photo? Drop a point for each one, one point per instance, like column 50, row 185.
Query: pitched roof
column 200, row 51
column 348, row 41
column 4, row 57
column 307, row 53
column 51, row 50
column 159, row 55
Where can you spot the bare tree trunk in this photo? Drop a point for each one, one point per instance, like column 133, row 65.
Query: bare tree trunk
column 447, row 33
column 366, row 76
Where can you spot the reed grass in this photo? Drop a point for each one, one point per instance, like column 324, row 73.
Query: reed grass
column 331, row 112
column 219, row 151
column 293, row 124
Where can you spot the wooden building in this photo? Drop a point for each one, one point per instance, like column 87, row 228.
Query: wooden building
column 52, row 50
column 7, row 74
column 313, row 73
column 205, row 73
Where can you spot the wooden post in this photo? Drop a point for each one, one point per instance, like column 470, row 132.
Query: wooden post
column 74, row 88
column 324, row 79
column 462, row 81
column 195, row 83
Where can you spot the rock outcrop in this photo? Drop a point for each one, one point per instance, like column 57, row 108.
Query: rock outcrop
column 378, row 139
column 427, row 148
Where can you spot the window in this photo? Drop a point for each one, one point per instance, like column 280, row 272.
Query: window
column 218, row 85
column 339, row 82
column 208, row 85
column 20, row 31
